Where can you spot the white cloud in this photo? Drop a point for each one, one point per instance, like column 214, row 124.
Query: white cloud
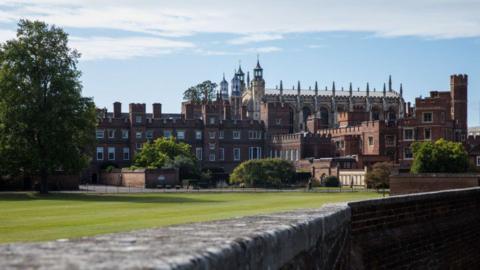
column 425, row 18
column 268, row 49
column 94, row 48
column 315, row 46
column 260, row 37
column 6, row 34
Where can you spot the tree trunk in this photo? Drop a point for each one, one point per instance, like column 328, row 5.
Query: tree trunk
column 43, row 182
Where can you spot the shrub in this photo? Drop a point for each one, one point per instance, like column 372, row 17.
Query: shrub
column 331, row 181
column 379, row 176
column 439, row 157
column 263, row 173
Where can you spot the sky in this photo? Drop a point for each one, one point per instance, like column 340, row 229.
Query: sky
column 151, row 51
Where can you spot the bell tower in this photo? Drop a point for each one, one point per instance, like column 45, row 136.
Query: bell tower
column 258, row 90
column 459, row 94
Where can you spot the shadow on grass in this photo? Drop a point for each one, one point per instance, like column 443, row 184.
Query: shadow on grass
column 133, row 198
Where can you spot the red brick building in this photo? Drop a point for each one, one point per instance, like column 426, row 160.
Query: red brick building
column 368, row 125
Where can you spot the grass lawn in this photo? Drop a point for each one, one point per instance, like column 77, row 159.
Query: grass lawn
column 32, row 217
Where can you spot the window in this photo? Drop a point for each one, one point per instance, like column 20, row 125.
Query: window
column 211, row 146
column 149, row 134
column 212, row 120
column 138, row 134
column 236, row 135
column 124, row 133
column 254, row 134
column 126, row 153
column 236, row 154
column 111, row 153
column 221, row 154
column 212, row 134
column 389, row 140
column 111, row 133
column 427, row 117
column 167, row 133
column 99, row 153
column 181, row 134
column 478, row 161
column 407, row 154
column 221, row 134
column 254, row 153
column 198, row 134
column 211, row 157
column 138, row 119
column 370, row 141
column 199, row 153
column 340, row 144
column 138, row 146
column 427, row 134
column 100, row 133
column 408, row 134
column 278, row 121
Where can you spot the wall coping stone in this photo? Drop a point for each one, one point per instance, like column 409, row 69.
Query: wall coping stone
column 253, row 242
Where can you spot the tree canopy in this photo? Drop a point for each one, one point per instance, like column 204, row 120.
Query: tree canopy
column 165, row 152
column 45, row 123
column 439, row 157
column 379, row 176
column 204, row 91
column 263, row 173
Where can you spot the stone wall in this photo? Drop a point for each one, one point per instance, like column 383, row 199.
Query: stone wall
column 141, row 178
column 438, row 230
column 415, row 183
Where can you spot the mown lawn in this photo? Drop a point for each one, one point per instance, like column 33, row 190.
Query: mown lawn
column 33, row 217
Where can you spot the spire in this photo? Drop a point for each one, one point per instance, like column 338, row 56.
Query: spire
column 390, row 83
column 258, row 62
column 281, row 85
column 298, row 85
column 316, row 86
column 368, row 89
column 350, row 89
column 248, row 78
column 401, row 90
column 384, row 89
column 333, row 88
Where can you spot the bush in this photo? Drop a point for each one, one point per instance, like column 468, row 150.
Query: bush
column 379, row 176
column 263, row 173
column 439, row 157
column 331, row 181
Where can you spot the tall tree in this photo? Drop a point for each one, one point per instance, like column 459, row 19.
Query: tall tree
column 439, row 157
column 204, row 91
column 45, row 123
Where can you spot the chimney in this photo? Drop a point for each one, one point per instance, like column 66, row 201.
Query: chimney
column 117, row 109
column 157, row 110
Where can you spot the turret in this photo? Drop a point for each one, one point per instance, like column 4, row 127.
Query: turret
column 368, row 89
column 333, row 88
column 384, row 89
column 390, row 83
column 224, row 88
column 459, row 94
column 350, row 89
column 401, row 90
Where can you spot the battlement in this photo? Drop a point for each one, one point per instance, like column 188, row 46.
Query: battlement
column 459, row 79
column 137, row 107
column 352, row 129
column 298, row 137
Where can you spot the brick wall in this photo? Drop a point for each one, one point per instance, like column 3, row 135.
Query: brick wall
column 438, row 230
column 408, row 183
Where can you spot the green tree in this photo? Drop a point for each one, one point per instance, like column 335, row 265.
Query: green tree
column 165, row 152
column 45, row 123
column 379, row 176
column 439, row 157
column 332, row 181
column 204, row 91
column 263, row 173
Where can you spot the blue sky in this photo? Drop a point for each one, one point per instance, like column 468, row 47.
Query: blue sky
column 150, row 51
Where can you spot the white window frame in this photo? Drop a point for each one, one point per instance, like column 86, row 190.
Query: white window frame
column 211, row 146
column 431, row 117
column 149, row 134
column 212, row 135
column 236, row 135
column 138, row 119
column 125, row 133
column 111, row 133
column 221, row 154
column 100, row 133
column 404, row 153
column 278, row 121
column 211, row 157
column 237, row 154
column 126, row 153
column 199, row 153
column 138, row 134
column 221, row 134
column 181, row 134
column 100, row 151
column 111, row 151
column 405, row 134
column 211, row 120
column 371, row 141
column 198, row 134
column 425, row 132
column 138, row 146
column 478, row 161
column 393, row 141
column 167, row 133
